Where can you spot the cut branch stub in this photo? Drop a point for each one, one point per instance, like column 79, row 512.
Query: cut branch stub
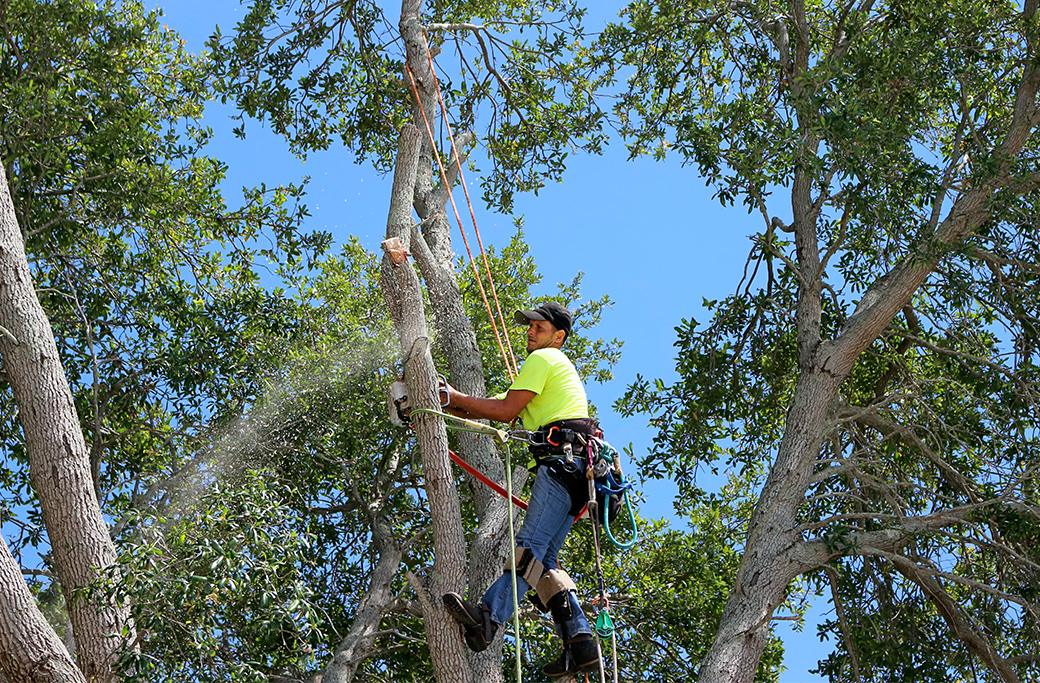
column 396, row 249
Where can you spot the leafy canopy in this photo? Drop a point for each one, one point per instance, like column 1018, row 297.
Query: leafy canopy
column 852, row 129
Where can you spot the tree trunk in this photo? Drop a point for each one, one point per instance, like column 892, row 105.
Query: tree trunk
column 769, row 563
column 459, row 344
column 59, row 464
column 404, row 299
column 30, row 650
column 436, row 261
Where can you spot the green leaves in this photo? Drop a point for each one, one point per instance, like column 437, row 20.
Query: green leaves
column 883, row 122
column 333, row 72
column 150, row 280
column 227, row 578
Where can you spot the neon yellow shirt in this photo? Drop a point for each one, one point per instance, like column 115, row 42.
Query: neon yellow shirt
column 559, row 394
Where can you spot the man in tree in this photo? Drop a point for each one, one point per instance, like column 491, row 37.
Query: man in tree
column 548, row 395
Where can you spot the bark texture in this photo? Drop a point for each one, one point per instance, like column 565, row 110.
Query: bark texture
column 358, row 643
column 432, row 249
column 58, row 458
column 403, row 295
column 30, row 650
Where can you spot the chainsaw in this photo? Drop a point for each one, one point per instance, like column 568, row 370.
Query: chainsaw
column 397, row 405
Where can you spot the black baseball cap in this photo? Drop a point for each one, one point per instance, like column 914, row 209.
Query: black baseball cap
column 556, row 314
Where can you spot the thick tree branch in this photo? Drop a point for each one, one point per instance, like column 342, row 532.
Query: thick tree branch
column 429, row 203
column 360, row 640
column 815, row 553
column 950, row 611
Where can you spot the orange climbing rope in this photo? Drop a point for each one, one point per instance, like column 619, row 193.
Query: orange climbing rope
column 469, row 202
column 512, row 368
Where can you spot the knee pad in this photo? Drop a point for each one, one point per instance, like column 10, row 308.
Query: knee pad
column 554, row 591
column 528, row 567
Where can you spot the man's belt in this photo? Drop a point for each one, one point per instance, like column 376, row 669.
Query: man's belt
column 567, row 438
column 554, row 438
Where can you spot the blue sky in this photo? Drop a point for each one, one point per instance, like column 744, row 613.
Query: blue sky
column 648, row 234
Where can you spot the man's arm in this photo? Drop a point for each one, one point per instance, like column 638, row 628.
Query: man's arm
column 500, row 410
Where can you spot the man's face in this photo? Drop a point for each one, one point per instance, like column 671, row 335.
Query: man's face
column 542, row 335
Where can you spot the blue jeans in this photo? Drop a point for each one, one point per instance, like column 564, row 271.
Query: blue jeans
column 544, row 530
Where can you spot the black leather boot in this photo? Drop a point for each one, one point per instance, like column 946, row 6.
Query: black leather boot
column 580, row 655
column 584, row 652
column 477, row 628
column 563, row 666
column 580, row 650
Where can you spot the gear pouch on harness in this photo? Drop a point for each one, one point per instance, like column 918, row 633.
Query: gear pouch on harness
column 610, row 483
column 613, row 508
column 572, row 476
column 579, row 434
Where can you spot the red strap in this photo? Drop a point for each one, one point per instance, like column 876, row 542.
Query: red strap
column 520, row 503
column 485, row 481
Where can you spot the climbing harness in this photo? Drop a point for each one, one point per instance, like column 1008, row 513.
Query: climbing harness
column 609, row 480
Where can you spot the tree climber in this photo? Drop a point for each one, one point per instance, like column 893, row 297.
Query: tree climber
column 549, row 396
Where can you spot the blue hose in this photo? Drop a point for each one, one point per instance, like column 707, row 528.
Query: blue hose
column 620, row 490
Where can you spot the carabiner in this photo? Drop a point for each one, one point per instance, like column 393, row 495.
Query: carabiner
column 525, row 436
column 442, row 388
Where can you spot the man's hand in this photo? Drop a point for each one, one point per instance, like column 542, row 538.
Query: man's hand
column 449, row 396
